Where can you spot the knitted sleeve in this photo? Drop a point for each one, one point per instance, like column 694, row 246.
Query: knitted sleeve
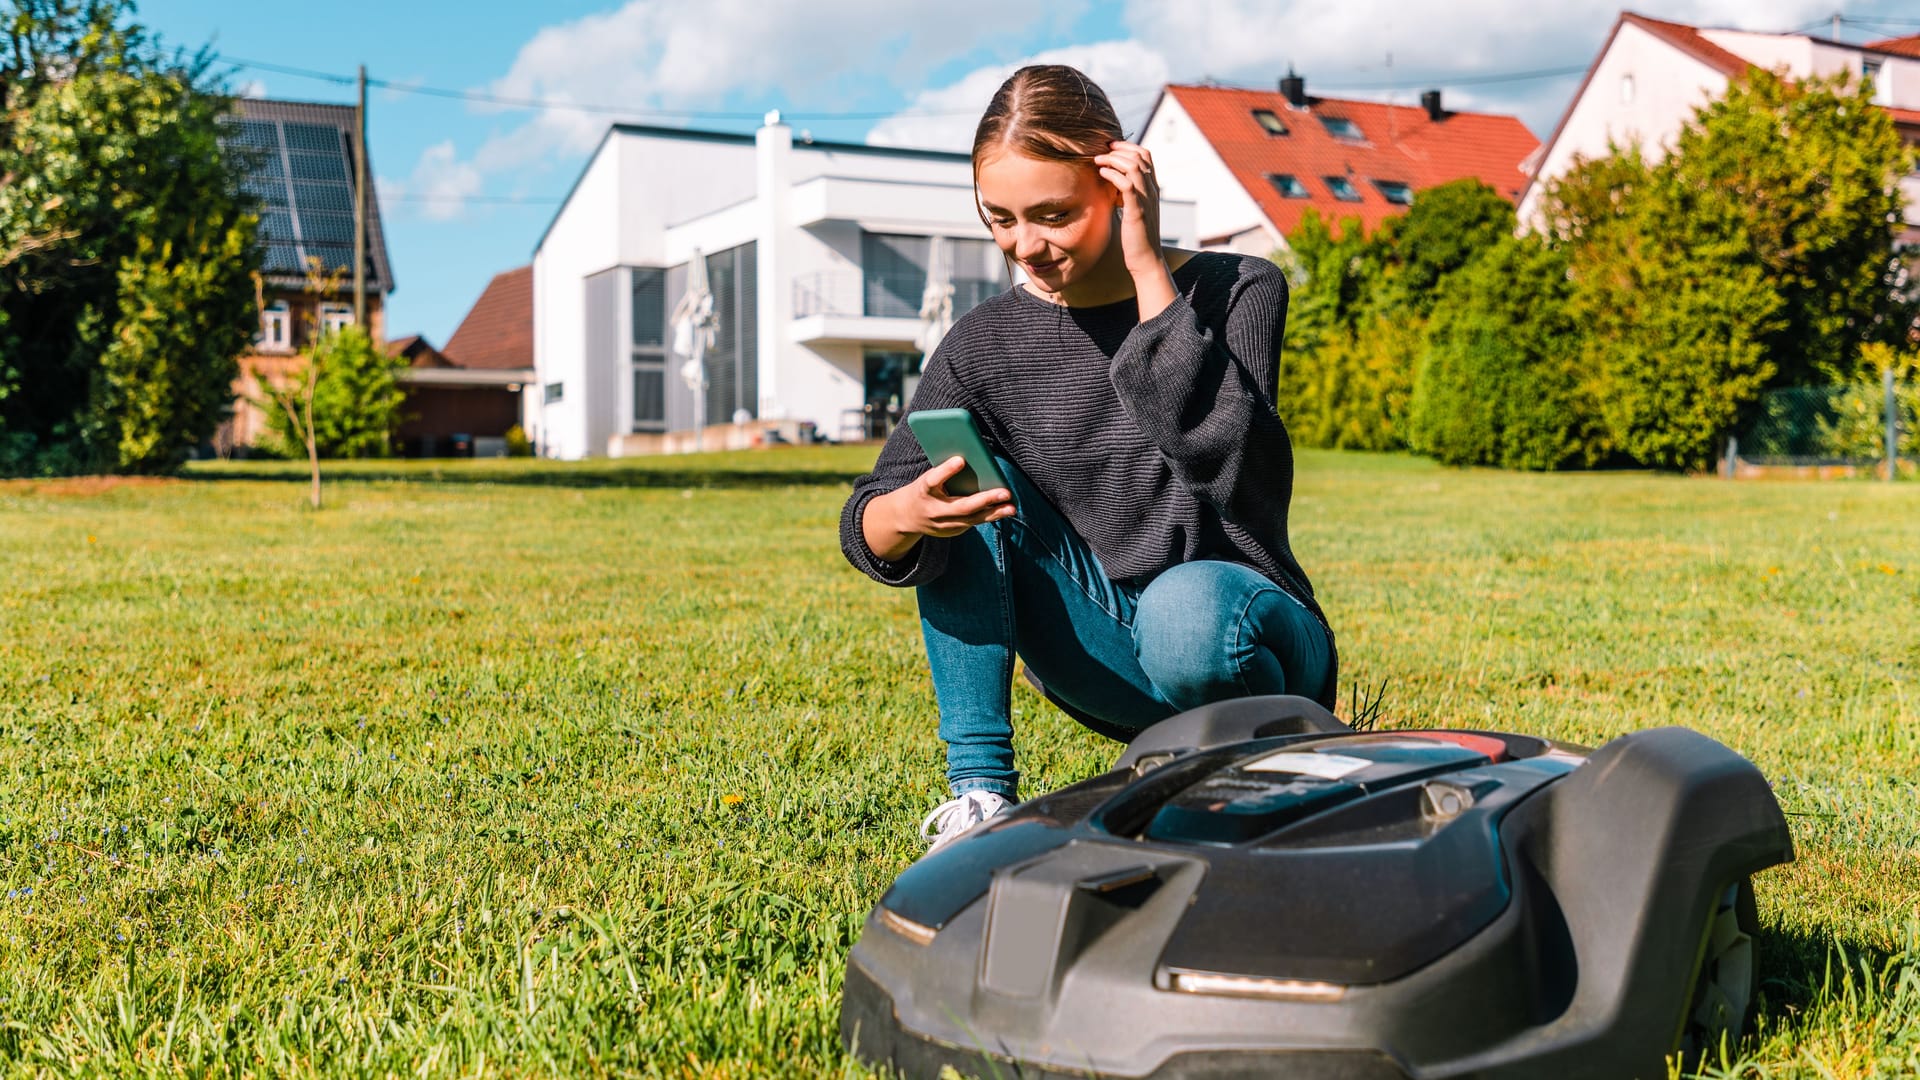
column 1202, row 391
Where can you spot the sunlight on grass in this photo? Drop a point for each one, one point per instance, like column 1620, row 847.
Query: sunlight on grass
column 522, row 768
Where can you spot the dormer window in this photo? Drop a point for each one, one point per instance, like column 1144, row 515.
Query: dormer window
column 1269, row 121
column 1395, row 192
column 1342, row 188
column 335, row 318
column 1288, row 186
column 1341, row 128
column 276, row 328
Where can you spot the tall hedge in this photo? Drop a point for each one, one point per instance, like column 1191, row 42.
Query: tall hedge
column 1499, row 382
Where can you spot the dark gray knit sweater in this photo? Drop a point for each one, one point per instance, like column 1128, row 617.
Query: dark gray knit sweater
column 1158, row 441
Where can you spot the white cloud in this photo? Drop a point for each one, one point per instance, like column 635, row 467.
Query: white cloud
column 688, row 54
column 252, row 88
column 944, row 118
column 440, row 185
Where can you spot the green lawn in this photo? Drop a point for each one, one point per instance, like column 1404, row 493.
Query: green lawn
column 518, row 768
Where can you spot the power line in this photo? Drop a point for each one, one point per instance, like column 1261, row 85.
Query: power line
column 408, row 196
column 485, row 98
column 1129, row 93
column 1466, row 80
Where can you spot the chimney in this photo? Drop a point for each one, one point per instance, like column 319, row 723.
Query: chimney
column 1295, row 89
column 1430, row 101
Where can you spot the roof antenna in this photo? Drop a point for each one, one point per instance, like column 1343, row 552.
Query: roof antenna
column 1393, row 116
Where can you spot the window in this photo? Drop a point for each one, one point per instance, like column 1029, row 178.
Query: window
column 1270, row 121
column 1395, row 192
column 1342, row 188
column 732, row 361
column 1288, row 186
column 1341, row 128
column 335, row 318
column 649, row 316
column 1873, row 69
column 276, row 328
column 893, row 272
column 555, row 392
column 1626, row 89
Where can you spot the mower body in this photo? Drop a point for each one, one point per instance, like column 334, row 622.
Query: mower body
column 1256, row 890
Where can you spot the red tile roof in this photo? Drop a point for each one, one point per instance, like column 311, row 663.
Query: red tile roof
column 498, row 331
column 1900, row 46
column 1399, row 144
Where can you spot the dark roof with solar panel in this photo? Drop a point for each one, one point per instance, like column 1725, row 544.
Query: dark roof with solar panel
column 303, row 173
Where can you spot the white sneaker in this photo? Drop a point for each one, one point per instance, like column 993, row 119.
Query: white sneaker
column 951, row 819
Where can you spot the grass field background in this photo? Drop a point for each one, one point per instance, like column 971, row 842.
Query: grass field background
column 517, row 768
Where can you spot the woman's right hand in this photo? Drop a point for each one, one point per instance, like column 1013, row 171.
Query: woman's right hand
column 895, row 522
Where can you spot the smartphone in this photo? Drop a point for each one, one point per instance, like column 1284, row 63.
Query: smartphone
column 947, row 433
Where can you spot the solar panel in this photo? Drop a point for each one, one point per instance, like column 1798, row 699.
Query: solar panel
column 314, row 138
column 313, row 196
column 281, row 259
column 317, row 196
column 307, row 166
column 323, row 227
column 261, row 133
column 266, row 189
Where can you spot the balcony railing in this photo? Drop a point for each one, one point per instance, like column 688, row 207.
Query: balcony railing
column 877, row 295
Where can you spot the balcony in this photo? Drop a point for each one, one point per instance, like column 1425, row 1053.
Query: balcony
column 851, row 307
column 886, row 204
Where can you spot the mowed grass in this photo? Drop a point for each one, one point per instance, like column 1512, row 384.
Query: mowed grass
column 516, row 768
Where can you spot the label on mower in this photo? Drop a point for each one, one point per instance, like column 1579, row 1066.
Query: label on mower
column 1324, row 766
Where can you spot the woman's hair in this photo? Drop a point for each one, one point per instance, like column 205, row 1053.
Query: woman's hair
column 1048, row 111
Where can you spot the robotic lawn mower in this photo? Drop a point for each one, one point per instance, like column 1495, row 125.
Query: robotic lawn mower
column 1257, row 890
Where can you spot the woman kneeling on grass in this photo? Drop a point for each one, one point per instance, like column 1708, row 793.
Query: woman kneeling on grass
column 1140, row 565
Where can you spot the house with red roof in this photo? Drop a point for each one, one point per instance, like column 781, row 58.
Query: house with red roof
column 1254, row 161
column 1651, row 75
column 463, row 399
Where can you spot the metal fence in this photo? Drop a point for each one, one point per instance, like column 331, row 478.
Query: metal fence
column 1845, row 425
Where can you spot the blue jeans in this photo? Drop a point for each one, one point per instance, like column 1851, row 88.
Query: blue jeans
column 1128, row 653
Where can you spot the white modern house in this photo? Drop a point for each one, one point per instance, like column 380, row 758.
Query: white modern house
column 817, row 259
column 1651, row 75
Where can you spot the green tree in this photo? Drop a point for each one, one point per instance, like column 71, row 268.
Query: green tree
column 357, row 399
column 126, row 244
column 1805, row 173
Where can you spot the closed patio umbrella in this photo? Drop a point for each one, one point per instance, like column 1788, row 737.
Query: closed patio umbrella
column 936, row 307
column 693, row 333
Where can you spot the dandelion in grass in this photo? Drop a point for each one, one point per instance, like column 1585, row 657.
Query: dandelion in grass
column 733, row 800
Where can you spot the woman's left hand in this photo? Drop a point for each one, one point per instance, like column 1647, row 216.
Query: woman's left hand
column 1129, row 168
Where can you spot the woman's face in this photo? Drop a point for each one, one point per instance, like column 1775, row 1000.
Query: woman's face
column 1053, row 218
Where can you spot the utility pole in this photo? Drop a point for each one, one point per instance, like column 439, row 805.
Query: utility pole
column 1836, row 26
column 360, row 211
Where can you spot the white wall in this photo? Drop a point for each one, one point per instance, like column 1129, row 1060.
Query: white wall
column 1667, row 86
column 1191, row 169
column 578, row 244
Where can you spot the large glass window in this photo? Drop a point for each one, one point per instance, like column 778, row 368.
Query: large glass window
column 894, row 272
column 649, row 349
column 733, row 360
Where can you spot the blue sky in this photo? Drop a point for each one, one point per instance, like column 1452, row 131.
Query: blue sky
column 467, row 187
